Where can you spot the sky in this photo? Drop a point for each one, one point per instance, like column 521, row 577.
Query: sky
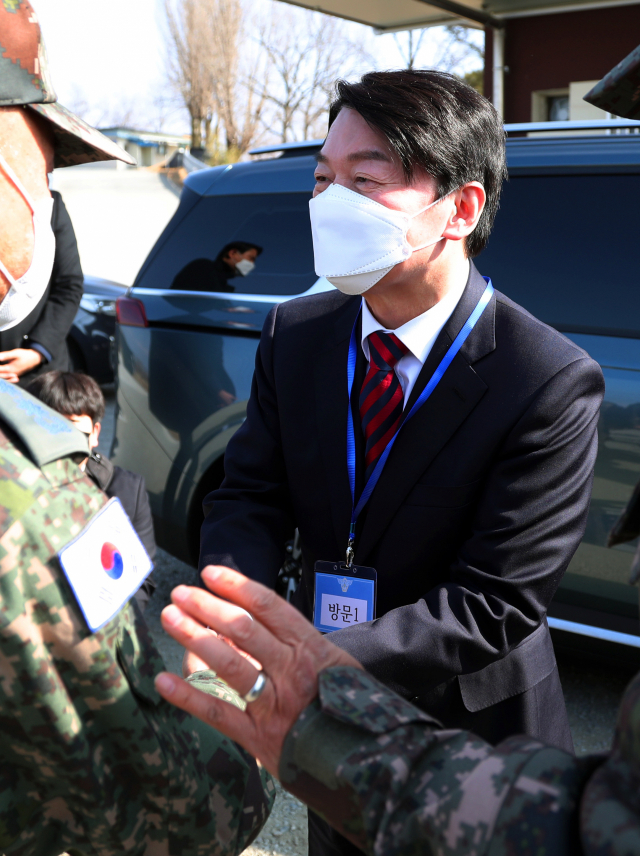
column 104, row 51
column 108, row 56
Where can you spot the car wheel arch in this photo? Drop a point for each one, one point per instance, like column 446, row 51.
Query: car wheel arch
column 211, row 479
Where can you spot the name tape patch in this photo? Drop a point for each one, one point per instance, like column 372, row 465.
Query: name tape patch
column 105, row 564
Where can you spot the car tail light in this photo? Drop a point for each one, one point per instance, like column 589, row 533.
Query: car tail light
column 131, row 312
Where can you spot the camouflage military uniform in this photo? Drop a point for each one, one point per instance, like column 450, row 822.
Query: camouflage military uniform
column 92, row 760
column 389, row 780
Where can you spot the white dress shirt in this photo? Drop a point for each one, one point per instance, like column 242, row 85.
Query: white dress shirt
column 418, row 335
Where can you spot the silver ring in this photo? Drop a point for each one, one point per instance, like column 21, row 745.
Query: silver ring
column 256, row 690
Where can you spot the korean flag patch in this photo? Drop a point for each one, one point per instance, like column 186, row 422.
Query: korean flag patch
column 105, row 564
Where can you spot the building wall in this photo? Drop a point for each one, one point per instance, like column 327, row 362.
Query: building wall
column 549, row 52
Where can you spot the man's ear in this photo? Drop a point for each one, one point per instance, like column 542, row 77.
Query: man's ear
column 470, row 200
column 94, row 437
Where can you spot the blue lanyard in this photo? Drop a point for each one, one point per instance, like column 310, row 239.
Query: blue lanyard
column 436, row 377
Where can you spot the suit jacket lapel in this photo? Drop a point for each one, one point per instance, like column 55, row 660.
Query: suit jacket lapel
column 330, row 380
column 425, row 434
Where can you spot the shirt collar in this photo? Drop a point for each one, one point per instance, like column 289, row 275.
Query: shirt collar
column 420, row 333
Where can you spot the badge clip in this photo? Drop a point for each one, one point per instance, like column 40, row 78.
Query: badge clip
column 350, row 551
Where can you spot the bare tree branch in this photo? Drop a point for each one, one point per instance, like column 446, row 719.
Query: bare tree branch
column 204, row 66
column 306, row 53
column 456, row 45
column 408, row 45
column 189, row 66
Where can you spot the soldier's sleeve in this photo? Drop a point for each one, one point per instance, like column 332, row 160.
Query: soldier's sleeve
column 92, row 760
column 610, row 806
column 391, row 780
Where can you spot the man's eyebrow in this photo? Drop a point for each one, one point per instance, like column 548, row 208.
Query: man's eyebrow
column 355, row 157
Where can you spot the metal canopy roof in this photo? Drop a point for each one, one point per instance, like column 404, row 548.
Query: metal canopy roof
column 394, row 15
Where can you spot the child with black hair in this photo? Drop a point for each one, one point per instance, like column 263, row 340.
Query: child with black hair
column 78, row 397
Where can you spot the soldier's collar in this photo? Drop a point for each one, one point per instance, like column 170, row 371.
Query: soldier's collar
column 47, row 435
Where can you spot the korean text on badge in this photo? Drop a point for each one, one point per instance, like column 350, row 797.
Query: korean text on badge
column 342, row 601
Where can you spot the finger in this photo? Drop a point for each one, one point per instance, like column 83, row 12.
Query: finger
column 224, row 717
column 235, row 624
column 231, row 666
column 242, row 653
column 296, row 639
column 192, row 663
column 280, row 617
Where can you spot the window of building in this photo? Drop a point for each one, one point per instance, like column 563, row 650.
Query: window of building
column 550, row 105
column 557, row 108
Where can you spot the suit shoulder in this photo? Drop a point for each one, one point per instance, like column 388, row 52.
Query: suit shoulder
column 315, row 307
column 535, row 338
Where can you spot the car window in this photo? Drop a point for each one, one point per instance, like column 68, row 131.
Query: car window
column 271, row 231
column 564, row 248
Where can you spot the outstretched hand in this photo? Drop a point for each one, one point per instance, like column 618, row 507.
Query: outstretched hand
column 291, row 651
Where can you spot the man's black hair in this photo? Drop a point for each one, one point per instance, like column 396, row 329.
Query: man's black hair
column 70, row 393
column 240, row 246
column 435, row 122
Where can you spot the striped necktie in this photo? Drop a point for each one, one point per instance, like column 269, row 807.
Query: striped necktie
column 381, row 397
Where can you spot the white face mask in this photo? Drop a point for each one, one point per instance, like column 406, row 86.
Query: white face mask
column 25, row 293
column 244, row 266
column 356, row 241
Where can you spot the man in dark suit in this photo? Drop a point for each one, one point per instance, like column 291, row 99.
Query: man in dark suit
column 483, row 498
column 39, row 343
column 237, row 258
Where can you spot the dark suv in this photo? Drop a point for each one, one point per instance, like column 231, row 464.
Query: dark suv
column 562, row 247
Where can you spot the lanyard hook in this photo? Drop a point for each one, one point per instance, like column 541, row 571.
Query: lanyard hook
column 350, row 552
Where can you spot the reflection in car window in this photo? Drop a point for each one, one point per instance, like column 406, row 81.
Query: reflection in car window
column 563, row 247
column 257, row 244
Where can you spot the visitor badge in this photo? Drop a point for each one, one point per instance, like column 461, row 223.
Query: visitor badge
column 105, row 564
column 343, row 596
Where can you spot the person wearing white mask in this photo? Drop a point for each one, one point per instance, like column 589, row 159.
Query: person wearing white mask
column 235, row 259
column 433, row 443
column 37, row 343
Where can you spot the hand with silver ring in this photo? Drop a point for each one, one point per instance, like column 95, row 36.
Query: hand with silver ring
column 256, row 690
column 287, row 648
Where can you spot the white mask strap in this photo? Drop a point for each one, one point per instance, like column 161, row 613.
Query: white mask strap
column 14, row 178
column 426, row 207
column 422, row 210
column 429, row 244
column 10, row 279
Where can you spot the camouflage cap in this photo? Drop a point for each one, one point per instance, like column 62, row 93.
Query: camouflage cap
column 25, row 80
column 619, row 91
